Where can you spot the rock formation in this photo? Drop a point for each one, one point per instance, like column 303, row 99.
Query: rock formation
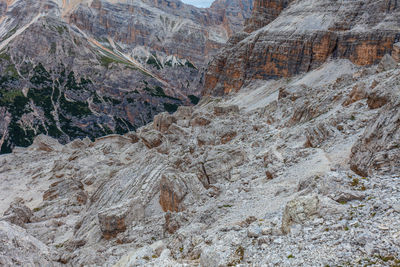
column 264, row 12
column 396, row 52
column 75, row 69
column 302, row 37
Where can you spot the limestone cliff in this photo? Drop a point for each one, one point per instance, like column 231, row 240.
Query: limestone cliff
column 264, row 12
column 302, row 37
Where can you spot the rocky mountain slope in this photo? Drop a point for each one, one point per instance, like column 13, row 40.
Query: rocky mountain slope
column 300, row 36
column 291, row 171
column 298, row 172
column 75, row 69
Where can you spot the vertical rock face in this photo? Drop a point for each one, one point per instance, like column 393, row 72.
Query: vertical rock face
column 172, row 27
column 302, row 37
column 234, row 13
column 172, row 191
column 264, row 12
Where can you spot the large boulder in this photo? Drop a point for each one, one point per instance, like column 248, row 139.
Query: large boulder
column 172, row 191
column 45, row 143
column 162, row 121
column 18, row 213
column 219, row 163
column 151, row 138
column 387, row 63
column 300, row 210
column 116, row 219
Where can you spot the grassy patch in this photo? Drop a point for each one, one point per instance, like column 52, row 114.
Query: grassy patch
column 8, row 97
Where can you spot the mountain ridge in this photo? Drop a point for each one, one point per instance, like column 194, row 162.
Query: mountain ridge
column 142, row 61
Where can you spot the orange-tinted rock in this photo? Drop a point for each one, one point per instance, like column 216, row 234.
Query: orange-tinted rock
column 172, row 192
column 18, row 213
column 68, row 188
column 356, row 94
column 133, row 137
column 296, row 43
column 116, row 219
column 265, row 11
column 162, row 121
column 376, row 101
column 227, row 137
column 200, row 121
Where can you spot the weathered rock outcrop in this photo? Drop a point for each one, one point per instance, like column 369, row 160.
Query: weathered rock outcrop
column 116, row 219
column 300, row 210
column 172, row 191
column 303, row 37
column 378, row 150
column 18, row 213
column 264, row 12
column 75, row 69
column 17, row 247
column 162, row 121
column 396, row 52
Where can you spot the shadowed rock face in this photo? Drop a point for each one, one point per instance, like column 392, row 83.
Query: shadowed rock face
column 75, row 69
column 301, row 38
column 172, row 28
column 264, row 12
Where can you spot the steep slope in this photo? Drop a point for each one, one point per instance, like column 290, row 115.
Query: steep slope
column 74, row 69
column 258, row 177
column 55, row 81
column 303, row 37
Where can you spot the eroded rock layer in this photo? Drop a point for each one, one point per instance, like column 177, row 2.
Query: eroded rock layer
column 302, row 37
